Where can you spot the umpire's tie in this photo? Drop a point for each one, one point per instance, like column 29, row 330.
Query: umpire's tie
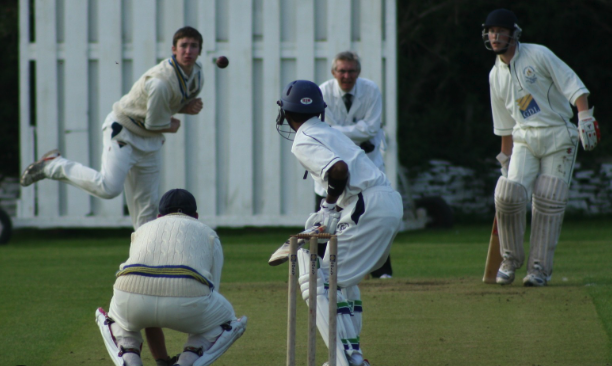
column 348, row 101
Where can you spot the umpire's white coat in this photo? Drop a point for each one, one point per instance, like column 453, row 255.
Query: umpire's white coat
column 362, row 123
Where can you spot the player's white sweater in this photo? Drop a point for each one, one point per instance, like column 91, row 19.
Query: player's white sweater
column 159, row 94
column 166, row 252
column 533, row 90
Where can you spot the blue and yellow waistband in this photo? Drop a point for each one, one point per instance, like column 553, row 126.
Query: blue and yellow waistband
column 164, row 271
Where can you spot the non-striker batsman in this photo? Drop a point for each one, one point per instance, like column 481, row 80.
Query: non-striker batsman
column 531, row 92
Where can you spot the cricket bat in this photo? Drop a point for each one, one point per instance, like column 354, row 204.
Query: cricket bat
column 494, row 257
column 280, row 256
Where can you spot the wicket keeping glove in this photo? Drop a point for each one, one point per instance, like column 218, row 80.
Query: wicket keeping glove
column 588, row 128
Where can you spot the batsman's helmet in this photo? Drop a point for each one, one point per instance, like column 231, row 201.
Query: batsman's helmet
column 299, row 96
column 501, row 18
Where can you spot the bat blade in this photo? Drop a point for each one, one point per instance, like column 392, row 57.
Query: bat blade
column 280, row 256
column 494, row 257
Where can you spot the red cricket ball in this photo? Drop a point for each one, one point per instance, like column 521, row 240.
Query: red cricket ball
column 222, row 62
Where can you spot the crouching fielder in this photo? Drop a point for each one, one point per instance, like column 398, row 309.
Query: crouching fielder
column 531, row 92
column 361, row 208
column 171, row 280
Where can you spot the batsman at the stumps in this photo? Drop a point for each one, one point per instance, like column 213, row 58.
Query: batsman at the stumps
column 531, row 92
column 360, row 208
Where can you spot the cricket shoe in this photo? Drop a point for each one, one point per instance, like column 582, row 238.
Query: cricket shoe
column 36, row 171
column 365, row 363
column 168, row 362
column 535, row 277
column 505, row 274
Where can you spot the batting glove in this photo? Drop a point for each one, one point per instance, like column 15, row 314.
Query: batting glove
column 327, row 216
column 504, row 160
column 588, row 128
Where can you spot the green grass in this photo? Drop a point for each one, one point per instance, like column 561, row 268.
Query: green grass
column 435, row 310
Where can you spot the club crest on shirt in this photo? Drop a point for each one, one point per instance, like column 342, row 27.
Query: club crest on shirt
column 528, row 106
column 341, row 227
column 530, row 74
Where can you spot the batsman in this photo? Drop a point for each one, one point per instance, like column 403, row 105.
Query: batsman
column 360, row 208
column 531, row 91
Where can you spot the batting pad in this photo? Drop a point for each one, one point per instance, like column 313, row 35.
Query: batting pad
column 510, row 207
column 104, row 322
column 346, row 333
column 225, row 340
column 550, row 197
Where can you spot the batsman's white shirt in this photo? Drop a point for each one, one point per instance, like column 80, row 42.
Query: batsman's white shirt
column 364, row 120
column 530, row 100
column 534, row 90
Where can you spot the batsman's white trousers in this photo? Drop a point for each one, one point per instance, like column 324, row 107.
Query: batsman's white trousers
column 129, row 162
column 365, row 231
column 192, row 315
column 545, row 150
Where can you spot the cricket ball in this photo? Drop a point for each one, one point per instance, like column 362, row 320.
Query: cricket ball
column 222, row 62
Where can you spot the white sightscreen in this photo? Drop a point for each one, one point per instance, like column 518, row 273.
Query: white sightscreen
column 77, row 57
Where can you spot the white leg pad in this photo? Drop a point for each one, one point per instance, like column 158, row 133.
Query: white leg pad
column 225, row 340
column 109, row 340
column 550, row 197
column 347, row 342
column 511, row 210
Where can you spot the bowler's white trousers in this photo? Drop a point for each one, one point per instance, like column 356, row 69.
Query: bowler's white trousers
column 129, row 162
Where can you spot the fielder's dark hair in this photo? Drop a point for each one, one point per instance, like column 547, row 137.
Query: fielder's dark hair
column 187, row 32
column 347, row 56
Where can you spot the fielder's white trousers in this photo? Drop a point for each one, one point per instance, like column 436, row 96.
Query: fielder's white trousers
column 544, row 150
column 195, row 316
column 130, row 163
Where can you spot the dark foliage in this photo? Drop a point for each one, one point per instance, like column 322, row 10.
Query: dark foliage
column 443, row 68
column 9, row 79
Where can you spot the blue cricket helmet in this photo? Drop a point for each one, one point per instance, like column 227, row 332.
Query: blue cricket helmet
column 299, row 96
column 302, row 96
